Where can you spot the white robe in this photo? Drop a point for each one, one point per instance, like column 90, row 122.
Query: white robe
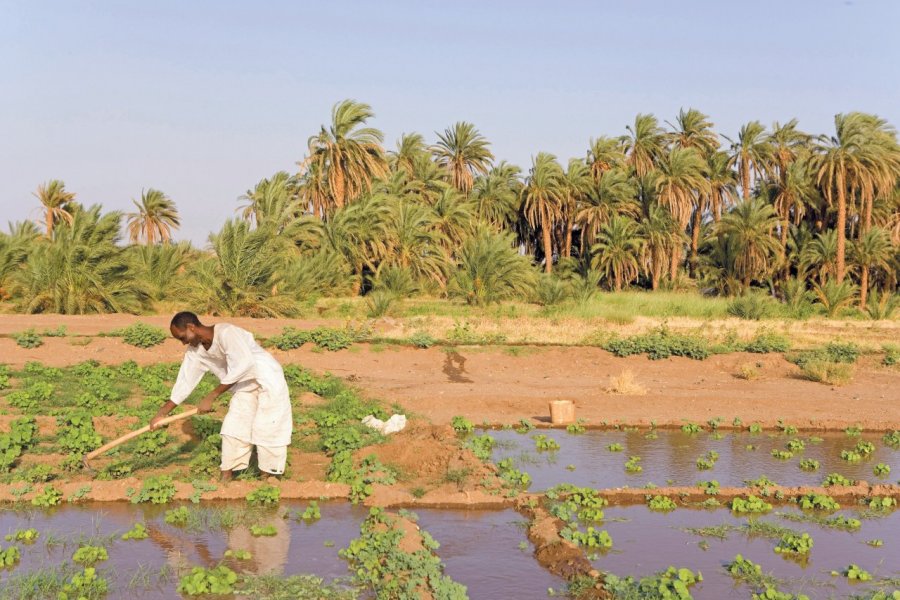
column 234, row 357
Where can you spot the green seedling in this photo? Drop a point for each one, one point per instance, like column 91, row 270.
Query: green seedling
column 138, row 532
column 809, row 464
column 89, row 555
column 881, row 470
column 794, row 544
column 200, row 581
column 266, row 495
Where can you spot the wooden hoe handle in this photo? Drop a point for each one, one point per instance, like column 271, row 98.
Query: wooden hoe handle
column 133, row 434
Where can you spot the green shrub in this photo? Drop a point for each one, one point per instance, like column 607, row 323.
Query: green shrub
column 422, row 339
column 47, row 498
column 200, row 581
column 177, row 516
column 829, row 373
column 659, row 344
column 765, row 342
column 28, row 339
column 289, row 339
column 89, row 555
column 751, row 504
column 84, row 585
column 266, row 495
column 138, row 532
column 158, row 489
column 143, row 335
column 462, row 425
column 751, row 307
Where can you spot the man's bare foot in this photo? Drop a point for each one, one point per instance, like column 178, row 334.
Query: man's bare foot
column 273, row 478
column 227, row 476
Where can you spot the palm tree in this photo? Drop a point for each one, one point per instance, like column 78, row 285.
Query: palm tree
column 645, row 143
column 820, row 255
column 159, row 266
column 463, row 152
column 491, row 270
column 616, row 252
column 409, row 148
column 81, row 270
column 454, row 216
column 660, row 235
column 787, row 144
column 346, row 156
column 14, row 249
column 791, row 194
column 273, row 202
column 871, row 251
column 604, row 154
column 859, row 160
column 497, row 195
column 543, row 196
column 155, row 219
column 576, row 185
column 56, row 202
column 693, row 129
column 751, row 154
column 416, row 243
column 615, row 194
column 722, row 184
column 681, row 179
column 749, row 224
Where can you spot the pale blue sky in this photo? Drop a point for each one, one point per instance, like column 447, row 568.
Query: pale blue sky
column 203, row 99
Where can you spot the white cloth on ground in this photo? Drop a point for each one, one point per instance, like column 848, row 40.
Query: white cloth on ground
column 393, row 425
column 260, row 409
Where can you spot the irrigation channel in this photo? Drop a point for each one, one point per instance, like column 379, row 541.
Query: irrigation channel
column 492, row 553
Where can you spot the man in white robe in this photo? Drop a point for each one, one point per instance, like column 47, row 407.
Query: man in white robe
column 259, row 413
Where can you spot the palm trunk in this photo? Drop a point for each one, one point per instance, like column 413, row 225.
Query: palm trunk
column 745, row 176
column 655, row 271
column 568, row 245
column 841, row 227
column 785, row 267
column 49, row 223
column 863, row 287
column 548, row 247
column 695, row 239
column 673, row 268
column 867, row 218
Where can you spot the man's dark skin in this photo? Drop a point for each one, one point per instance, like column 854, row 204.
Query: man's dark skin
column 194, row 335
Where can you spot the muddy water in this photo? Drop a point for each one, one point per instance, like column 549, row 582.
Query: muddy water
column 146, row 568
column 481, row 550
column 671, row 458
column 645, row 542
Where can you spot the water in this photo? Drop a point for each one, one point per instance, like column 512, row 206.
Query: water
column 645, row 542
column 670, row 459
column 480, row 548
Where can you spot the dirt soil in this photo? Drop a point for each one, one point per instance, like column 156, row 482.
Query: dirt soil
column 500, row 385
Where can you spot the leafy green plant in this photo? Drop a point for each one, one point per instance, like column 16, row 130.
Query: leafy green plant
column 511, row 475
column 422, row 339
column 481, row 446
column 26, row 536
column 10, row 556
column 632, row 465
column 200, row 581
column 151, row 443
column 882, row 503
column 772, row 593
column 544, row 443
column 708, row 460
column 782, row 454
column 83, row 585
column 138, row 532
column 39, row 474
column 659, row 344
column 766, row 342
column 661, row 503
column 266, row 495
column 591, row 538
column 90, row 555
column 856, row 573
column 670, row 584
column 239, row 554
column 755, row 428
column 462, row 425
column 817, row 502
column 809, row 464
column 158, row 489
column 710, row 488
column 143, row 335
column 177, row 516
column 836, row 479
column 524, row 426
column 28, row 339
column 263, row 530
column 795, row 445
column 47, row 498
column 881, row 470
column 691, row 428
column 576, row 428
column 751, row 504
column 311, row 512
column 794, row 544
column 76, row 433
column 892, row 439
column 615, row 447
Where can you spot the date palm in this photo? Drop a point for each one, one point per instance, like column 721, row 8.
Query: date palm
column 693, row 129
column 857, row 161
column 347, row 155
column 660, row 234
column 274, row 202
column 463, row 152
column 605, row 153
column 751, row 154
column 415, row 242
column 543, row 199
column 749, row 224
column 614, row 194
column 490, row 269
column 819, row 255
column 154, row 220
column 871, row 251
column 680, row 182
column 616, row 252
column 791, row 194
column 56, row 203
column 577, row 183
column 409, row 148
column 644, row 144
column 497, row 195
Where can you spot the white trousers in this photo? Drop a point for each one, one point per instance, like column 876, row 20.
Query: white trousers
column 236, row 456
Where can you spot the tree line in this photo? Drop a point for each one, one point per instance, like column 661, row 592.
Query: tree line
column 670, row 205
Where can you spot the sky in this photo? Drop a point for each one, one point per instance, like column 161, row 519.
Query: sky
column 203, row 99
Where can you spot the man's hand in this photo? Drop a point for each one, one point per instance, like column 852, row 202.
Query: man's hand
column 154, row 422
column 206, row 404
column 161, row 414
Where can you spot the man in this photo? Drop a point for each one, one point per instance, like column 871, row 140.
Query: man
column 259, row 413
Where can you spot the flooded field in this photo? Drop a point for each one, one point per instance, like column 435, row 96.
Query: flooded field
column 598, row 459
